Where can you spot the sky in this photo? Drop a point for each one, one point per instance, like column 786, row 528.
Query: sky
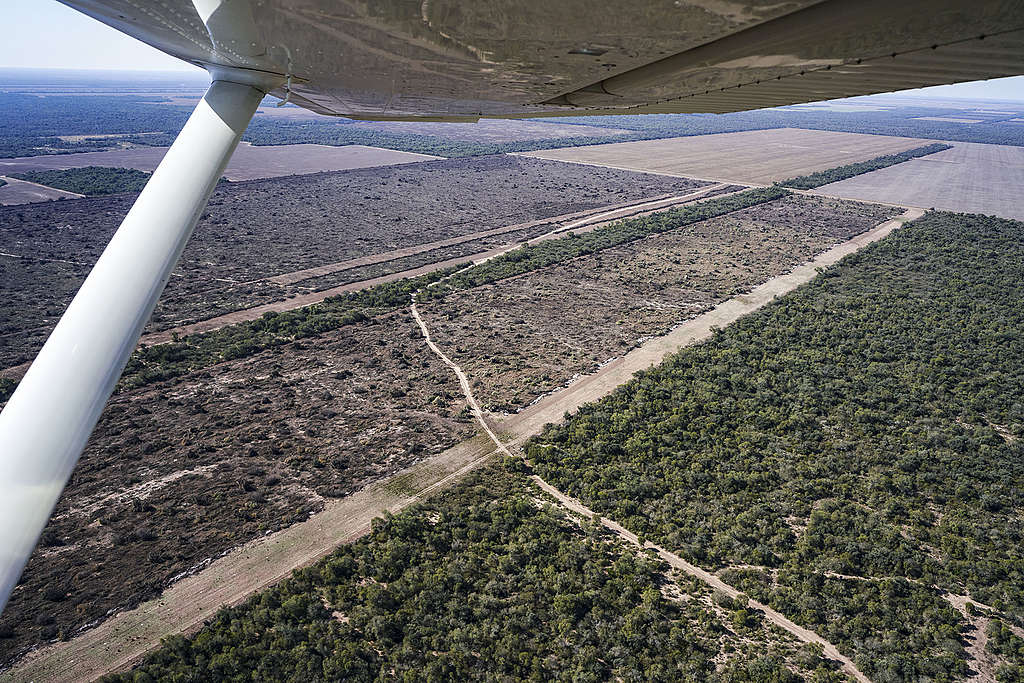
column 46, row 34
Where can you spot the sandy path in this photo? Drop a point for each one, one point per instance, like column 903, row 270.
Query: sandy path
column 121, row 640
column 801, row 633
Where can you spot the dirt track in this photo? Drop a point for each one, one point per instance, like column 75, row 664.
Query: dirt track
column 122, row 639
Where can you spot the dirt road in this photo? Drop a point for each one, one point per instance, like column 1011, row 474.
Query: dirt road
column 122, row 639
column 801, row 633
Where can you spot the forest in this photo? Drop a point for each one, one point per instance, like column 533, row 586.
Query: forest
column 89, row 180
column 848, row 454
column 31, row 124
column 834, row 175
column 488, row 582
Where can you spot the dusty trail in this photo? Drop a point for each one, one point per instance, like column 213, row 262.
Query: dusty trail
column 801, row 633
column 121, row 640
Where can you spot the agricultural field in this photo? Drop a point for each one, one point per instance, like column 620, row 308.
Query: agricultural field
column 13, row 191
column 182, row 471
column 763, row 156
column 851, row 454
column 523, row 336
column 247, row 163
column 255, row 230
column 489, row 582
column 972, row 178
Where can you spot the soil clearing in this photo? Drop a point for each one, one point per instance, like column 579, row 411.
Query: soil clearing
column 757, row 156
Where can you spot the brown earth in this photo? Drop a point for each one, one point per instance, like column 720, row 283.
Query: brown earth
column 180, row 472
column 528, row 335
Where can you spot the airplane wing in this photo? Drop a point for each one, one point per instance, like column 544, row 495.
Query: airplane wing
column 446, row 60
column 459, row 59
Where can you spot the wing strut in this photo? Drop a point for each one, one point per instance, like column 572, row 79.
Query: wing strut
column 49, row 418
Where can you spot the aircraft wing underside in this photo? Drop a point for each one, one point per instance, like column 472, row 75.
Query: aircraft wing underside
column 460, row 60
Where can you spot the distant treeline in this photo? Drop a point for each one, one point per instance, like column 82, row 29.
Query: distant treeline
column 89, row 180
column 834, row 175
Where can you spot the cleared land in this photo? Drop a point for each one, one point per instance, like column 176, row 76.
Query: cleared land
column 23, row 192
column 178, row 473
column 527, row 335
column 256, row 230
column 230, row 579
column 970, row 177
column 247, row 163
column 760, row 156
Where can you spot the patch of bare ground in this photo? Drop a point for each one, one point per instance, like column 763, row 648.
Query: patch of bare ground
column 183, row 471
column 527, row 335
column 256, row 229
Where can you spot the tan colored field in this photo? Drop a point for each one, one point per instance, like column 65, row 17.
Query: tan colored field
column 970, row 177
column 757, row 156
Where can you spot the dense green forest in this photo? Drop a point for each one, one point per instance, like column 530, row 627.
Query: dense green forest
column 1008, row 646
column 89, row 180
column 31, row 124
column 334, row 132
column 244, row 339
column 834, row 175
column 487, row 582
column 855, row 445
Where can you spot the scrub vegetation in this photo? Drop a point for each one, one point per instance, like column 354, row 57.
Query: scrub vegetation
column 834, row 175
column 847, row 455
column 238, row 341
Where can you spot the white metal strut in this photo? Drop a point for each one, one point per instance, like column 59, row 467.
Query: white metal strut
column 48, row 420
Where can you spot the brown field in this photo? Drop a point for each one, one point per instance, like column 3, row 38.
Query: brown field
column 970, row 177
column 758, row 156
column 21, row 192
column 528, row 335
column 183, row 471
column 249, row 162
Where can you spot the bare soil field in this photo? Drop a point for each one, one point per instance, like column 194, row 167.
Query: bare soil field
column 970, row 177
column 247, row 163
column 183, row 471
column 757, row 156
column 257, row 229
column 22, row 192
column 528, row 335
